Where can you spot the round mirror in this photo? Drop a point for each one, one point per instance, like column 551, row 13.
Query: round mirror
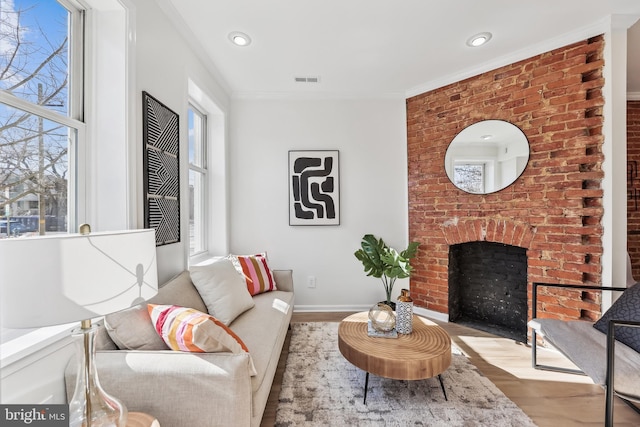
column 487, row 156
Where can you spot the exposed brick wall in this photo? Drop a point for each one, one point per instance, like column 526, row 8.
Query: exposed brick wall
column 633, row 187
column 554, row 209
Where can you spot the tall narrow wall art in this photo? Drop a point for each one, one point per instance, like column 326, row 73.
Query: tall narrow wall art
column 160, row 133
column 314, row 190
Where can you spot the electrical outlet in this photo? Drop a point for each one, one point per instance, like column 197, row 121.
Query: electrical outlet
column 311, row 282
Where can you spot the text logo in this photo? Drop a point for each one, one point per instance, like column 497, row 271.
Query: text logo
column 34, row 415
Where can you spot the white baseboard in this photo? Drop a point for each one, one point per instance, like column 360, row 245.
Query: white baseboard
column 442, row 317
column 324, row 308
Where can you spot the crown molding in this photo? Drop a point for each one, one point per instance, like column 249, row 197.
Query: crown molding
column 600, row 27
column 315, row 95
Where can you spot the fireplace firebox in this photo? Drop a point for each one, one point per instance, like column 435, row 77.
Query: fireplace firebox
column 488, row 288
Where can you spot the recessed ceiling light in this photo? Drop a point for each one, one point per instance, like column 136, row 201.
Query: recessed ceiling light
column 239, row 39
column 479, row 39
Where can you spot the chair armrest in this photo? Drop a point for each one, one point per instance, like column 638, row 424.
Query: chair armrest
column 178, row 388
column 536, row 285
column 534, row 314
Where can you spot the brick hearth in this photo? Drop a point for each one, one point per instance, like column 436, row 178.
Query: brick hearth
column 553, row 210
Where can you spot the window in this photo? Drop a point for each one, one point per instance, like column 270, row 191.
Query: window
column 197, row 123
column 41, row 115
column 53, row 150
column 41, row 118
column 469, row 177
column 209, row 164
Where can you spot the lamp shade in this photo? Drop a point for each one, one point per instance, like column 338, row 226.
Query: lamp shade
column 57, row 279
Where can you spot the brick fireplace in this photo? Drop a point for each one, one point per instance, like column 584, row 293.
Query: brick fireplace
column 553, row 211
column 633, row 185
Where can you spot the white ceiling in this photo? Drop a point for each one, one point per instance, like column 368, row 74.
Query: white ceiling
column 384, row 47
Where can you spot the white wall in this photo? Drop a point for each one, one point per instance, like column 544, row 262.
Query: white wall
column 614, row 220
column 164, row 64
column 370, row 135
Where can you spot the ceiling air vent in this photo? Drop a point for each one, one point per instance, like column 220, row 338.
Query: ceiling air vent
column 307, row 79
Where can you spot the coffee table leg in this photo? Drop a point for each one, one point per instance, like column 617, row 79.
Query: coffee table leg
column 442, row 385
column 366, row 386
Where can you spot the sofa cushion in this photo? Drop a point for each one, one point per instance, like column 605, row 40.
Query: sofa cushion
column 179, row 291
column 626, row 307
column 222, row 289
column 256, row 271
column 131, row 329
column 103, row 340
column 186, row 329
column 263, row 329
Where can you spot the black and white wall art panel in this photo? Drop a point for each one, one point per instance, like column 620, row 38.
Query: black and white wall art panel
column 314, row 188
column 160, row 133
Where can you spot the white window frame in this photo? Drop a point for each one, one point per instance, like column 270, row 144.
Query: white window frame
column 84, row 153
column 201, row 197
column 21, row 342
column 217, row 218
column 75, row 118
column 483, row 171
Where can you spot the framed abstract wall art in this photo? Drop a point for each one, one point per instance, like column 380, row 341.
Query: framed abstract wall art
column 160, row 135
column 314, row 187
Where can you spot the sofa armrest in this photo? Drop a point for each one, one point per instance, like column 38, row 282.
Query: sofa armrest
column 210, row 389
column 284, row 280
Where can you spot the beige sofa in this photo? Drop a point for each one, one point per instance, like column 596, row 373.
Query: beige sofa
column 195, row 389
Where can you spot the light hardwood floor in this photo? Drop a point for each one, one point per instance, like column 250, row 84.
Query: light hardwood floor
column 549, row 398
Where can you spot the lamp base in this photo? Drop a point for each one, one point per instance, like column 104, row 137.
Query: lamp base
column 91, row 406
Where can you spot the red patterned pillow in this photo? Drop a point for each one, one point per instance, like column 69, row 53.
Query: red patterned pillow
column 187, row 329
column 256, row 272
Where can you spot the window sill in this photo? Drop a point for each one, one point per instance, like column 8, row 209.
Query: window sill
column 23, row 346
column 204, row 259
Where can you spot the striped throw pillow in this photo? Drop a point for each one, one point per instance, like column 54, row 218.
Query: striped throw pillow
column 256, row 272
column 190, row 330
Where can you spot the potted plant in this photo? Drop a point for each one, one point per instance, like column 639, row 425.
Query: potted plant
column 380, row 260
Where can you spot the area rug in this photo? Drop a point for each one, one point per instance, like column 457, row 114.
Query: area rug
column 321, row 388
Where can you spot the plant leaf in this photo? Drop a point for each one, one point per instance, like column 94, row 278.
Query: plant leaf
column 369, row 255
column 380, row 260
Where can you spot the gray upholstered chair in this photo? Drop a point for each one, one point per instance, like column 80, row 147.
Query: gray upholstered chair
column 607, row 361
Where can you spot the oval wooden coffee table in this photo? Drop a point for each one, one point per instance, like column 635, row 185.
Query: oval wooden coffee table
column 422, row 354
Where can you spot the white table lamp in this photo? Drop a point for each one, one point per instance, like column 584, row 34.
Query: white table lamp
column 57, row 279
